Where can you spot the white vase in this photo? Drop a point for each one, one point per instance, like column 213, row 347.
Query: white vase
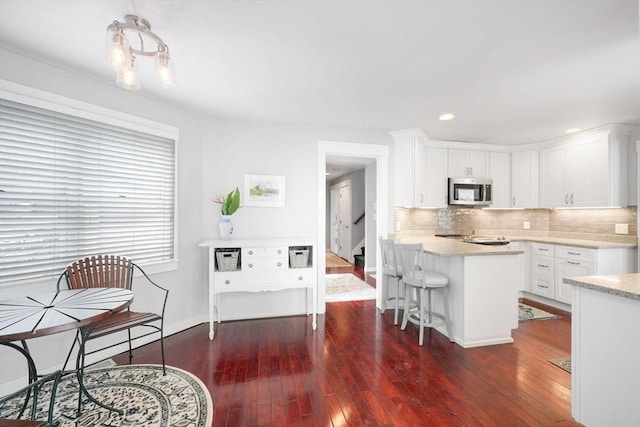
column 226, row 227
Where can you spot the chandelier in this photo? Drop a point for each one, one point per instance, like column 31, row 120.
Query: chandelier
column 121, row 56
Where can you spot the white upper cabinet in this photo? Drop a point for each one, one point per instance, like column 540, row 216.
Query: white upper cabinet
column 468, row 163
column 590, row 171
column 524, row 179
column 420, row 171
column 434, row 176
column 499, row 173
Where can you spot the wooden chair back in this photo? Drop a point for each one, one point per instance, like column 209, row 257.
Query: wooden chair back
column 100, row 271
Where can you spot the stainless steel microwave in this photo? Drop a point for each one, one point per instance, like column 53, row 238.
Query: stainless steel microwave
column 470, row 191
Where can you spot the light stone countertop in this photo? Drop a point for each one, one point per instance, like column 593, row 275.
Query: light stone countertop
column 451, row 247
column 624, row 285
column 592, row 244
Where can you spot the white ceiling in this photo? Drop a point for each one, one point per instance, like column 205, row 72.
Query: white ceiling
column 513, row 71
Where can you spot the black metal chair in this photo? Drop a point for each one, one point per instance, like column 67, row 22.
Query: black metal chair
column 111, row 271
column 12, row 412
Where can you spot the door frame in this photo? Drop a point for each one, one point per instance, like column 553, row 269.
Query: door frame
column 346, row 149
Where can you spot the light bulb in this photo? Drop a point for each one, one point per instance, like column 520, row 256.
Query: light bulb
column 117, row 54
column 129, row 78
column 164, row 71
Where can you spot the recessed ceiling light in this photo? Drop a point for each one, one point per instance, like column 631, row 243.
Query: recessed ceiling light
column 327, row 173
column 573, row 130
column 447, row 116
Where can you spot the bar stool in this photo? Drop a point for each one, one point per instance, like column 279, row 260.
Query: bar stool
column 418, row 279
column 391, row 272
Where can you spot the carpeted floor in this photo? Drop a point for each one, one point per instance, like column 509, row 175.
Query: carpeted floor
column 334, row 260
column 527, row 313
column 147, row 398
column 347, row 287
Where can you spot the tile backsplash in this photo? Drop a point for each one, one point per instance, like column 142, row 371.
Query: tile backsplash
column 585, row 224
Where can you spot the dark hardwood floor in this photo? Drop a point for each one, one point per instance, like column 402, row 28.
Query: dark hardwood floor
column 358, row 369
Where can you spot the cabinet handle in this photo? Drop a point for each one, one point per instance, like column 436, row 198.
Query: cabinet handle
column 279, row 264
column 543, row 266
column 574, row 253
column 543, row 286
column 250, row 252
column 250, row 265
column 421, row 198
column 471, row 168
column 514, row 200
column 566, row 199
column 572, row 199
column 279, row 251
column 543, row 250
column 300, row 278
column 226, row 282
column 573, row 263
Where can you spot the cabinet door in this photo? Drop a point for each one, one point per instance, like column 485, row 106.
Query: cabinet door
column 552, row 178
column 458, row 163
column 403, row 171
column 524, row 179
column 588, row 172
column 420, row 171
column 435, row 190
column 568, row 268
column 478, row 162
column 499, row 173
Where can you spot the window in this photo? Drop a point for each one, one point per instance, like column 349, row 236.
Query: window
column 72, row 186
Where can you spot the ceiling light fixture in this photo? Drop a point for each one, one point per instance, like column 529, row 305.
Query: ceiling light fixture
column 447, row 116
column 573, row 130
column 122, row 57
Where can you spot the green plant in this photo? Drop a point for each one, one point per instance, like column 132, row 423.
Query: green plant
column 229, row 203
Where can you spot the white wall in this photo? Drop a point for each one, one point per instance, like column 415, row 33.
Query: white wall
column 234, row 148
column 186, row 305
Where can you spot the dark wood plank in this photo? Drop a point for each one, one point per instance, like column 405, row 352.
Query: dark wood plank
column 359, row 369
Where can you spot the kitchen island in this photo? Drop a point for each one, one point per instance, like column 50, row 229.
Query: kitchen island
column 605, row 343
column 483, row 293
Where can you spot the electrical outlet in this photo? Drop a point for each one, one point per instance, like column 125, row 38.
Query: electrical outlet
column 622, row 228
column 526, row 225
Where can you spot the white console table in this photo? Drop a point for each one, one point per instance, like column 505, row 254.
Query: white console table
column 263, row 265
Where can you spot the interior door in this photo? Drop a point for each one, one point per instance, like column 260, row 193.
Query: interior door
column 334, row 220
column 345, row 221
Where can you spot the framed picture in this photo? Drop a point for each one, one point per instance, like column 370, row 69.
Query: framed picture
column 264, row 190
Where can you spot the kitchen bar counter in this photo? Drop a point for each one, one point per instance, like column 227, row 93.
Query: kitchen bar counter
column 451, row 247
column 483, row 298
column 605, row 343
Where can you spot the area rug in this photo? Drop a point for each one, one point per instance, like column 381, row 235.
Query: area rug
column 527, row 313
column 334, row 260
column 347, row 287
column 147, row 398
column 564, row 363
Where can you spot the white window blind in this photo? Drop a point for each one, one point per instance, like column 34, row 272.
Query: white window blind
column 72, row 187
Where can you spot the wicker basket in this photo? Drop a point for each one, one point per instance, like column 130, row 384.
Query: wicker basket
column 299, row 257
column 227, row 259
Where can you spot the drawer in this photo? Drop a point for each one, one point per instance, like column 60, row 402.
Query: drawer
column 542, row 249
column 576, row 254
column 543, row 285
column 229, row 282
column 265, row 264
column 273, row 252
column 542, row 265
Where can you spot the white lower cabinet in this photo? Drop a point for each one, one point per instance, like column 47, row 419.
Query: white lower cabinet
column 542, row 269
column 550, row 264
column 572, row 262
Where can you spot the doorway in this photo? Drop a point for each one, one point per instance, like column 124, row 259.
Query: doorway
column 378, row 213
